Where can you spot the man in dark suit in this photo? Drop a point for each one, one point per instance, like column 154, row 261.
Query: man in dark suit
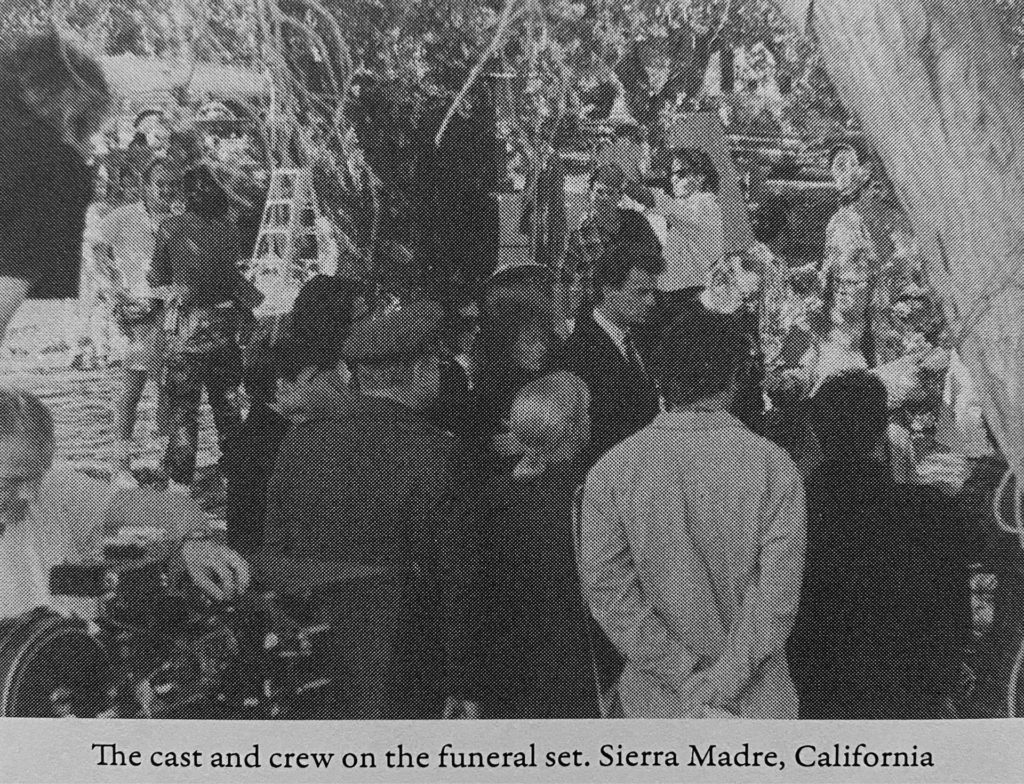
column 374, row 488
column 603, row 347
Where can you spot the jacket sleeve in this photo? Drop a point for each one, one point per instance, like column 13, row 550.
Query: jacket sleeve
column 178, row 516
column 612, row 587
column 770, row 603
column 443, row 529
column 278, row 532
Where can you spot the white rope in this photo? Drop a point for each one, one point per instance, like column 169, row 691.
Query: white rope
column 1013, row 686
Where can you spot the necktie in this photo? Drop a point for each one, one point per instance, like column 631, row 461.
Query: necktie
column 632, row 355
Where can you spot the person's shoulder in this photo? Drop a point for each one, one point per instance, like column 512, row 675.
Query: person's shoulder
column 587, row 336
column 932, row 502
column 623, row 457
column 771, row 454
column 117, row 216
column 579, row 341
column 67, row 487
column 704, row 199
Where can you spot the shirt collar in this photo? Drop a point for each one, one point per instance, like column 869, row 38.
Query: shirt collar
column 615, row 332
column 695, row 420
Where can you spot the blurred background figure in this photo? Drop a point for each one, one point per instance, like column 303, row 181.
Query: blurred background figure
column 605, row 224
column 881, row 555
column 687, row 200
column 301, row 376
column 53, row 98
column 122, row 255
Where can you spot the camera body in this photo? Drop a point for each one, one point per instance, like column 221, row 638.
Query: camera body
column 159, row 648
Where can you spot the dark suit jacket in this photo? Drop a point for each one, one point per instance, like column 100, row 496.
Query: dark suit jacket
column 884, row 608
column 622, row 402
column 250, row 465
column 375, row 483
column 537, row 662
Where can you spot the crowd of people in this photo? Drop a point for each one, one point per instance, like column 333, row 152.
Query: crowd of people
column 658, row 480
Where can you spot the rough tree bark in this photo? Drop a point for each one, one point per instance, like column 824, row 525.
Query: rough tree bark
column 935, row 86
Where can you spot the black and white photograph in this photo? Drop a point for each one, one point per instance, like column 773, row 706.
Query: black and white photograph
column 513, row 360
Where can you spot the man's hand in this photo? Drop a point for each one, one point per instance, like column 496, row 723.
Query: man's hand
column 718, row 685
column 217, row 570
column 454, row 708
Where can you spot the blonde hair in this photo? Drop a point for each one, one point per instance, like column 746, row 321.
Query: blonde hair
column 546, row 413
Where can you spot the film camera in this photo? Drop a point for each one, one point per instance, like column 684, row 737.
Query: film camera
column 158, row 648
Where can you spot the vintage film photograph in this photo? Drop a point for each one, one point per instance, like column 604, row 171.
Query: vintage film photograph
column 511, row 359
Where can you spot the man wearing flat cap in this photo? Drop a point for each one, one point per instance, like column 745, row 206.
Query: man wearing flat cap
column 376, row 485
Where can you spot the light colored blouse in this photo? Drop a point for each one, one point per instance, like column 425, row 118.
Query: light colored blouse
column 694, row 240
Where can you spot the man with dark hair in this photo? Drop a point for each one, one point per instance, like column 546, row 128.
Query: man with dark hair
column 301, row 377
column 52, row 99
column 605, row 224
column 885, row 604
column 603, row 349
column 378, row 487
column 691, row 544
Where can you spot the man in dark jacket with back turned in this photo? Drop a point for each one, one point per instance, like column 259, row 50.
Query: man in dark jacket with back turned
column 884, row 607
column 375, row 485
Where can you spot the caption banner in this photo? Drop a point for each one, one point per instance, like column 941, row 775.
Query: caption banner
column 483, row 752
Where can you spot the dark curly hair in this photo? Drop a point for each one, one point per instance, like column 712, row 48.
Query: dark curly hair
column 39, row 71
column 204, row 196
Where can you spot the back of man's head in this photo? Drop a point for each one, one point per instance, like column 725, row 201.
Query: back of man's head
column 323, row 312
column 612, row 267
column 699, row 354
column 292, row 356
column 849, row 414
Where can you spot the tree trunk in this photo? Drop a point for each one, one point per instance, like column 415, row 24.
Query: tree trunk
column 937, row 92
